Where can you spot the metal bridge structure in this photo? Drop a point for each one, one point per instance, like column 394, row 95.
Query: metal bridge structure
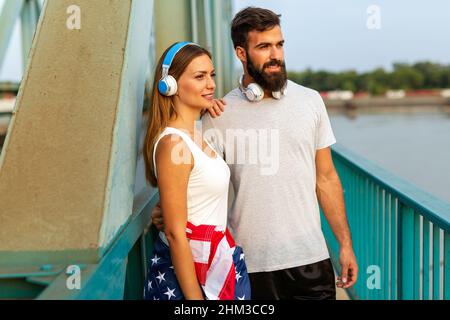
column 74, row 204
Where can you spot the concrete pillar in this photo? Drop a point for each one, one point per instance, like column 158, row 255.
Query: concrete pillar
column 68, row 165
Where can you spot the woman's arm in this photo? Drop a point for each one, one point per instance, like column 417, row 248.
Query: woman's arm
column 173, row 178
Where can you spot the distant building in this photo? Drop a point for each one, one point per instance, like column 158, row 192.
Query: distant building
column 8, row 93
column 7, row 105
column 339, row 95
column 445, row 93
column 8, row 90
column 395, row 94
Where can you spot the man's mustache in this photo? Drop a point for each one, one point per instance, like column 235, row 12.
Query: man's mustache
column 273, row 63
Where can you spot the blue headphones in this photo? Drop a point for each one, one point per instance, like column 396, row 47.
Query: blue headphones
column 167, row 86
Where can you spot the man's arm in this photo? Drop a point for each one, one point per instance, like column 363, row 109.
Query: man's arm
column 331, row 199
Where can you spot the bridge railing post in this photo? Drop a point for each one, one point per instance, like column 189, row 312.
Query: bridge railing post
column 406, row 252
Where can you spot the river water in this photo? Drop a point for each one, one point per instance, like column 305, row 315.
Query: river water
column 414, row 146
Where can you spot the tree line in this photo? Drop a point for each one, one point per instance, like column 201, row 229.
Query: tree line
column 421, row 75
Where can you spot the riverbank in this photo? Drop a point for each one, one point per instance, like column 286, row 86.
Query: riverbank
column 383, row 105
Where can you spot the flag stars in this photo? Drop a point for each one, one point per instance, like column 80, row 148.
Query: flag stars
column 160, row 277
column 170, row 293
column 238, row 276
column 155, row 260
column 242, row 256
column 241, row 298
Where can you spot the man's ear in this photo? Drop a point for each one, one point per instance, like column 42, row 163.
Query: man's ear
column 241, row 54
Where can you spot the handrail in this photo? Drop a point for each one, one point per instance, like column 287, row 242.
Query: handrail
column 401, row 234
column 435, row 209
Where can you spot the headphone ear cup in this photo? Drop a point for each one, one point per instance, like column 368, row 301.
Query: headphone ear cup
column 173, row 86
column 162, row 86
column 249, row 95
column 168, row 86
column 276, row 95
column 254, row 92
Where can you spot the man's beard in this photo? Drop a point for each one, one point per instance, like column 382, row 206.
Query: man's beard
column 273, row 81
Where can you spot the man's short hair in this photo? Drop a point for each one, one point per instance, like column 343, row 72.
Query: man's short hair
column 250, row 19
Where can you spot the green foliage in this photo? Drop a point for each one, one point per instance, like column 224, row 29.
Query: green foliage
column 421, row 75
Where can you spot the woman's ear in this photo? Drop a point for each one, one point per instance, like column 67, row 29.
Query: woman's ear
column 241, row 54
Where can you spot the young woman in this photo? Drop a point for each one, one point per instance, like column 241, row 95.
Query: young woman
column 195, row 257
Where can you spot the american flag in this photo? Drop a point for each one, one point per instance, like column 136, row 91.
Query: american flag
column 219, row 265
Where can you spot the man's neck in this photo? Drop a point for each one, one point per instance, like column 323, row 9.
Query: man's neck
column 247, row 80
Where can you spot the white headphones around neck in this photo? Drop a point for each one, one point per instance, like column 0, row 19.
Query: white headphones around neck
column 254, row 92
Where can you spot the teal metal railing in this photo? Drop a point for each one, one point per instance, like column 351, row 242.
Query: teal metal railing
column 400, row 236
column 400, row 233
column 120, row 274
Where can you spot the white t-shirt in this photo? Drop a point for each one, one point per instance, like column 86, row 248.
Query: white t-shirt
column 270, row 147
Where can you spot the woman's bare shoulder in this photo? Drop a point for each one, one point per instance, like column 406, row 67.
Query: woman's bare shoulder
column 172, row 151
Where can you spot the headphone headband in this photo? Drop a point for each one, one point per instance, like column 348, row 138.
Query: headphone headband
column 168, row 59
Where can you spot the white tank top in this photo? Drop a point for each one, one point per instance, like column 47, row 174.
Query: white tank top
column 207, row 193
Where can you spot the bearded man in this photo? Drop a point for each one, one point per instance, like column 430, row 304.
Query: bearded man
column 275, row 214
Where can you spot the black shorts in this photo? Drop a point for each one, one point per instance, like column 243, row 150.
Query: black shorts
column 310, row 282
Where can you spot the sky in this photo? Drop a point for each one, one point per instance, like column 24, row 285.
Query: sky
column 333, row 35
